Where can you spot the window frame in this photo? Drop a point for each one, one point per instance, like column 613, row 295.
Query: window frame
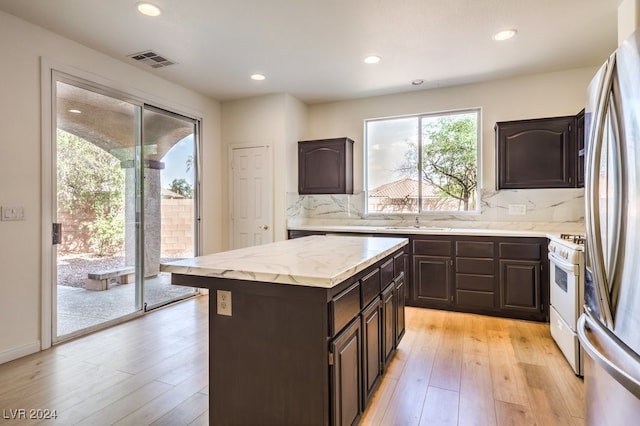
column 420, row 117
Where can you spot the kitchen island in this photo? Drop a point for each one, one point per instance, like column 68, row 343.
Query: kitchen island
column 300, row 331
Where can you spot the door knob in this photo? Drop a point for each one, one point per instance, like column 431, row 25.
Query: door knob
column 265, row 227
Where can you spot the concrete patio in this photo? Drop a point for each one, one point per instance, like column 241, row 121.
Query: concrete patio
column 79, row 308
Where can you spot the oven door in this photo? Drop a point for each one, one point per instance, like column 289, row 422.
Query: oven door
column 564, row 295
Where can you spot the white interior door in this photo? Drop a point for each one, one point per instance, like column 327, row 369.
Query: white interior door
column 251, row 196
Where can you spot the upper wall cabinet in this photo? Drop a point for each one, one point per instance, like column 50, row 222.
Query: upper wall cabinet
column 325, row 166
column 538, row 153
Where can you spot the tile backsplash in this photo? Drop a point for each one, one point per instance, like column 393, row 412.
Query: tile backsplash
column 561, row 208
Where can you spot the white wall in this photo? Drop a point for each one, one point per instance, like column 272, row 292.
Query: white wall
column 628, row 19
column 276, row 120
column 21, row 47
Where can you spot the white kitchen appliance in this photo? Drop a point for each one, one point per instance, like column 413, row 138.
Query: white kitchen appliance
column 609, row 328
column 566, row 295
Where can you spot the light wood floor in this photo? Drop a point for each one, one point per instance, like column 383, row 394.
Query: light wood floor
column 451, row 369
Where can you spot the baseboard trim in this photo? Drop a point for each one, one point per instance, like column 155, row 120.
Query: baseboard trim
column 19, row 352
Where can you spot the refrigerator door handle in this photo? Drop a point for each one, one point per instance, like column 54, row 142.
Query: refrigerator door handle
column 620, row 363
column 618, row 214
column 594, row 242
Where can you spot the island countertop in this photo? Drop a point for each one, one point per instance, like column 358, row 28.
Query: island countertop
column 314, row 261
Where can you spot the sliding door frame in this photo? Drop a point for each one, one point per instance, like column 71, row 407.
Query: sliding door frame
column 50, row 71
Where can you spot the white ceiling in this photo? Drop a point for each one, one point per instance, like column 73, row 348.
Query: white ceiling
column 313, row 49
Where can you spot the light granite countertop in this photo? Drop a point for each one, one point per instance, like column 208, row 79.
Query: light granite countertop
column 314, row 261
column 423, row 230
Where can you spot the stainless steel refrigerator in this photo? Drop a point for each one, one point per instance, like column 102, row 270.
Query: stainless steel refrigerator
column 609, row 328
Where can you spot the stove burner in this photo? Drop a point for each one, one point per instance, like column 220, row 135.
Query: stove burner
column 574, row 238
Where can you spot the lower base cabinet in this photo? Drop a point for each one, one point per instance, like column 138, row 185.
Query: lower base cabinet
column 500, row 276
column 520, row 280
column 400, row 303
column 371, row 344
column 346, row 375
column 368, row 322
column 388, row 323
column 432, row 280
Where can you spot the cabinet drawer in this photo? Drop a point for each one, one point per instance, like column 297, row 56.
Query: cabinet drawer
column 475, row 282
column 476, row 299
column 432, row 247
column 343, row 308
column 475, row 266
column 370, row 287
column 474, row 248
column 386, row 273
column 399, row 261
column 523, row 251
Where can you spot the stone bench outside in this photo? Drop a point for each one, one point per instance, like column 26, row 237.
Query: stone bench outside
column 102, row 280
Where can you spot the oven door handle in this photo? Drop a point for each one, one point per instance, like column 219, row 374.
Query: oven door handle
column 563, row 264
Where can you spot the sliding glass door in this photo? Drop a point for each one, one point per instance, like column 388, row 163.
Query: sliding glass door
column 125, row 200
column 170, row 209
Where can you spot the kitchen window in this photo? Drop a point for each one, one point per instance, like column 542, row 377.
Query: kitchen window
column 425, row 163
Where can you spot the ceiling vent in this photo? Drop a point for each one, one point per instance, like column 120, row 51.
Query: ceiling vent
column 152, row 59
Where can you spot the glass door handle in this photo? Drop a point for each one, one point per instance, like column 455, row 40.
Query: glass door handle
column 56, row 233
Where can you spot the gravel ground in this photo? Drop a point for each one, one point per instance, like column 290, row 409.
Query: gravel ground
column 73, row 269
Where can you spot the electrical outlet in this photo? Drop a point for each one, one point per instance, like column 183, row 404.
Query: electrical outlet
column 517, row 209
column 12, row 213
column 223, row 301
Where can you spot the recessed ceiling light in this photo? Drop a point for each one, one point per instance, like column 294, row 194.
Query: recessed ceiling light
column 417, row 82
column 258, row 77
column 148, row 9
column 75, row 111
column 504, row 34
column 373, row 59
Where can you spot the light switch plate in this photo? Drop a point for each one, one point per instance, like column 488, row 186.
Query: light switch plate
column 12, row 213
column 223, row 302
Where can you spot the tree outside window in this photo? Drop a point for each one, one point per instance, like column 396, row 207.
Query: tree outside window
column 423, row 163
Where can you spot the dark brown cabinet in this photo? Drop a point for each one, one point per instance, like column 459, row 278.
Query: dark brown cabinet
column 432, row 263
column 537, row 153
column 580, row 144
column 346, row 375
column 371, row 347
column 389, row 320
column 365, row 313
column 502, row 276
column 399, row 305
column 370, row 287
column 522, row 268
column 293, row 233
column 401, row 260
column 475, row 274
column 325, row 166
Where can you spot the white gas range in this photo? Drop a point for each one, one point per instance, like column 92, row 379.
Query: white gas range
column 566, row 266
